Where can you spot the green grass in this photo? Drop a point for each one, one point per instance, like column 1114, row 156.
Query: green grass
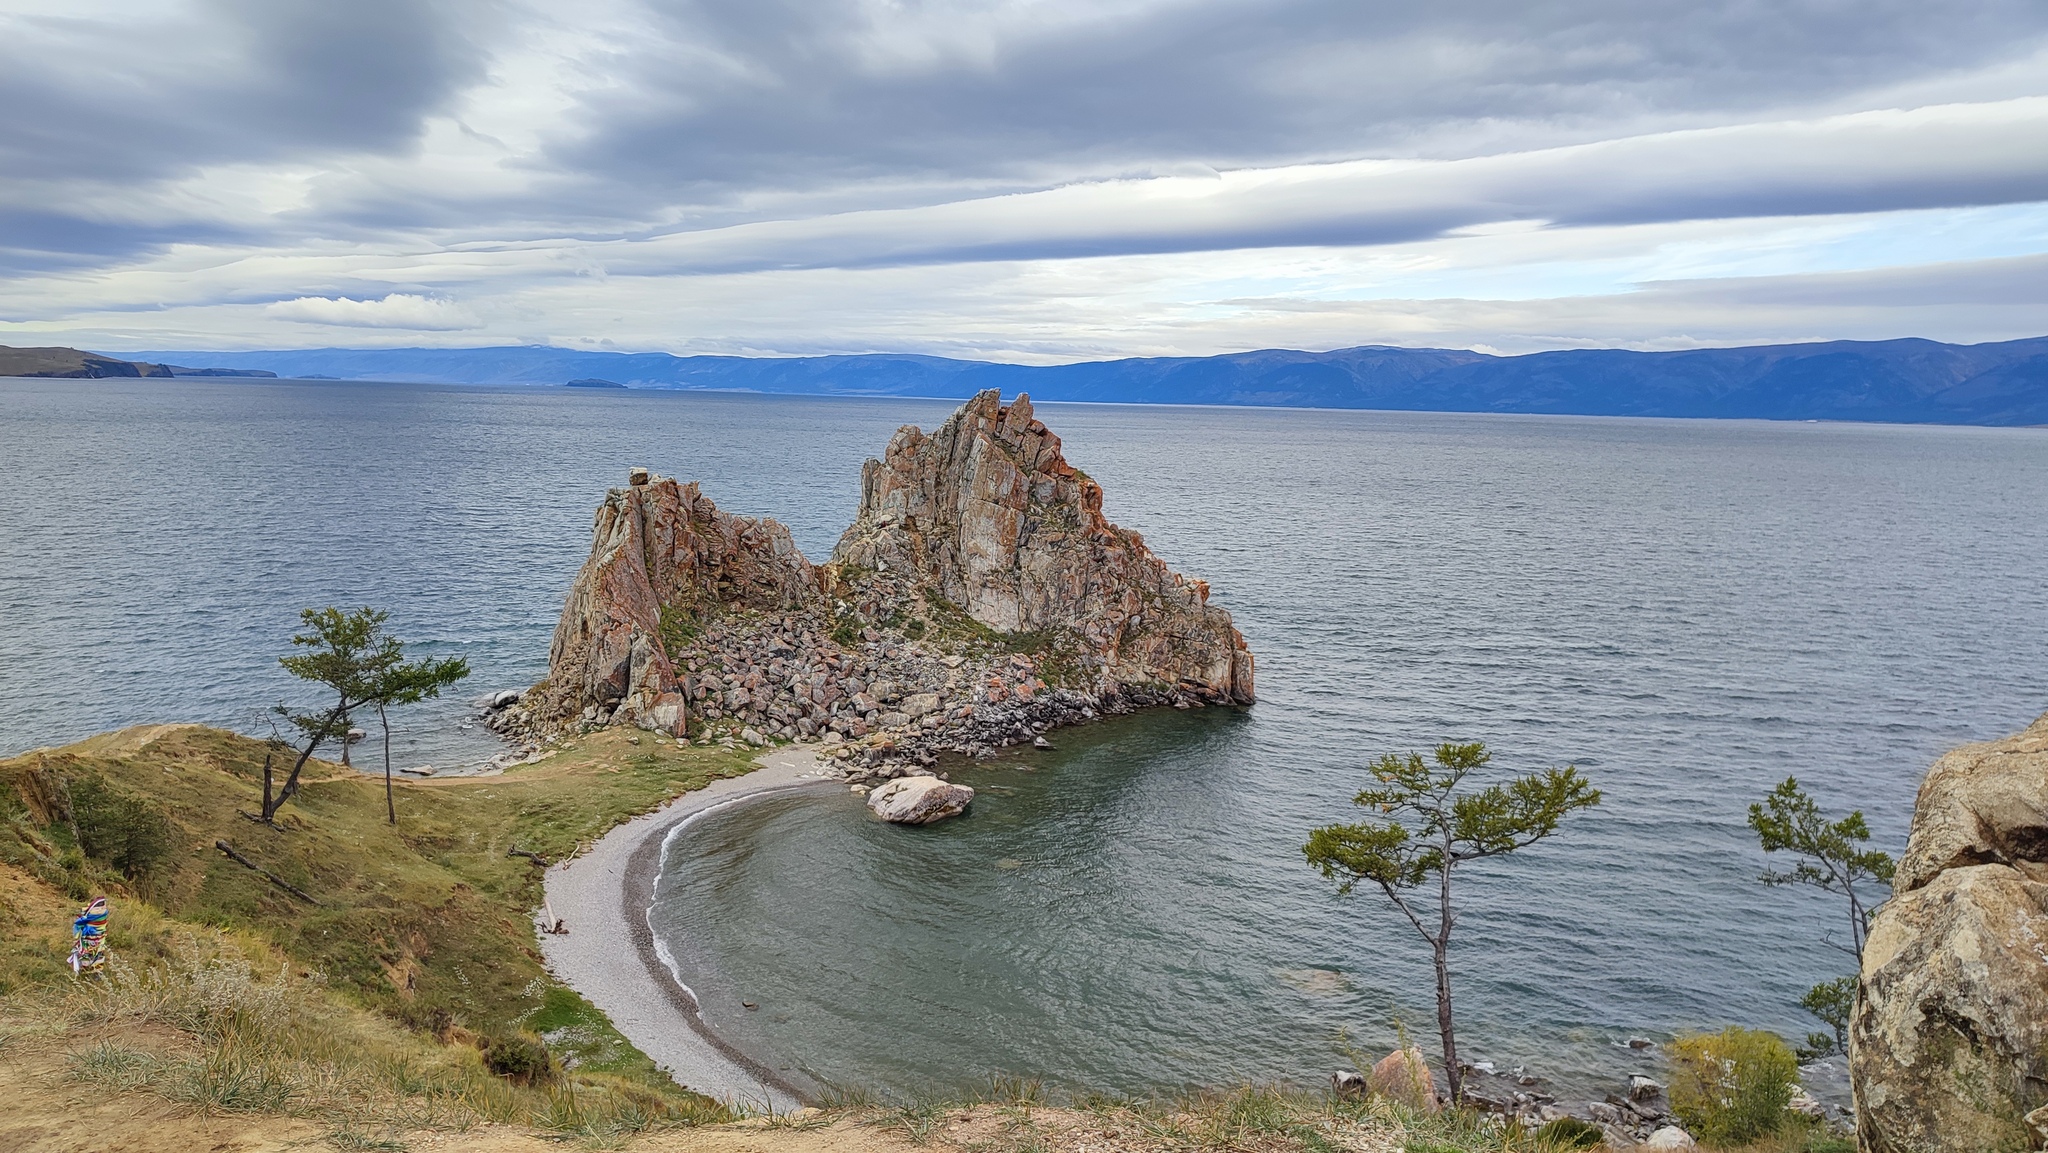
column 426, row 924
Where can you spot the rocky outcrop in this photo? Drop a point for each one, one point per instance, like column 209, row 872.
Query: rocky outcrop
column 1949, row 1040
column 979, row 599
column 985, row 517
column 919, row 800
column 662, row 558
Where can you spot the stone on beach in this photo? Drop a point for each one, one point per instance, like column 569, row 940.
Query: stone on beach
column 1404, row 1076
column 919, row 800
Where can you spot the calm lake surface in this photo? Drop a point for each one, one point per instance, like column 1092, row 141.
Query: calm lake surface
column 1689, row 611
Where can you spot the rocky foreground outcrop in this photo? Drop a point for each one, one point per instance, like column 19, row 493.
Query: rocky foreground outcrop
column 979, row 599
column 1949, row 1040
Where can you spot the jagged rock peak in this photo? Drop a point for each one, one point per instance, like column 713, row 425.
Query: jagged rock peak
column 662, row 557
column 985, row 515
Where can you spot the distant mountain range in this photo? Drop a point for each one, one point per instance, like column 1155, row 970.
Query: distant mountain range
column 1910, row 381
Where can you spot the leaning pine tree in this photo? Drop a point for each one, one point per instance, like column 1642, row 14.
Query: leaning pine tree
column 1832, row 858
column 1426, row 826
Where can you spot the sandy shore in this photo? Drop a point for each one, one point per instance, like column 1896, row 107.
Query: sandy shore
column 609, row 956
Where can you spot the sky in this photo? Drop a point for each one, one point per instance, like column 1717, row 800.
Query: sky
column 1025, row 180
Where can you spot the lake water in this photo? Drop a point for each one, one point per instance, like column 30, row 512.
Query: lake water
column 1689, row 611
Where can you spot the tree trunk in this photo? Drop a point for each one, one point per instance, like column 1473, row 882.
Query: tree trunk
column 291, row 783
column 1454, row 1079
column 390, row 809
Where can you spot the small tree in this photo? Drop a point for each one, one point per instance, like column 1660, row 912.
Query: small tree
column 348, row 654
column 408, row 683
column 1830, row 858
column 1450, row 829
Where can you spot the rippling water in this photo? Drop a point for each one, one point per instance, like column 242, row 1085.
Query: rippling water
column 1689, row 611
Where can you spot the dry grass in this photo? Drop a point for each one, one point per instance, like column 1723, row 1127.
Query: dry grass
column 222, row 1027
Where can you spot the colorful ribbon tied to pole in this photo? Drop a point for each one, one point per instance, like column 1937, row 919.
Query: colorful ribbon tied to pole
column 89, row 936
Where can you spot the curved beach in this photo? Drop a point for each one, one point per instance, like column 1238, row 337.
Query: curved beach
column 610, row 956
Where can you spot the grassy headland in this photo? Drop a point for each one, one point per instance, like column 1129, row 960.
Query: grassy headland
column 412, row 947
column 240, row 1016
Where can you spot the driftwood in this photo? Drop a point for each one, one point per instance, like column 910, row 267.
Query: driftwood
column 228, row 851
column 529, row 854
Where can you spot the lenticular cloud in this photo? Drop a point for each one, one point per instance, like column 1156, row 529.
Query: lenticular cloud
column 398, row 310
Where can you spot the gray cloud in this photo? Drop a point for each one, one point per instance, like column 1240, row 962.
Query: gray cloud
column 1939, row 157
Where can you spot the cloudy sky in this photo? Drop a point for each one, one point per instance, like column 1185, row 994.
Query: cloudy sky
column 1032, row 180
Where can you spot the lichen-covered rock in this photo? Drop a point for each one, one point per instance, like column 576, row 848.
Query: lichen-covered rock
column 661, row 554
column 984, row 514
column 1949, row 1039
column 919, row 800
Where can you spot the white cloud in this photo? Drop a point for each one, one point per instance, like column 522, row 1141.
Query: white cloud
column 398, row 310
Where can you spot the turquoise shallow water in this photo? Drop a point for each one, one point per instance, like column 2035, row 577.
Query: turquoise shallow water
column 1687, row 610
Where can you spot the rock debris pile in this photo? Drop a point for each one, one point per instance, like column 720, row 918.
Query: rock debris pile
column 979, row 600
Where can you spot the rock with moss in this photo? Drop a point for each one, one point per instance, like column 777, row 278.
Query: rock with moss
column 1949, row 1038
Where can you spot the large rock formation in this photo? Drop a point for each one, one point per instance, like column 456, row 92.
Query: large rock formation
column 1949, row 1041
column 662, row 557
column 979, row 599
column 985, row 516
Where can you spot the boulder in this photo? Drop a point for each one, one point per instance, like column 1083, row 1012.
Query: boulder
column 505, row 699
column 1670, row 1137
column 1350, row 1083
column 919, row 800
column 1404, row 1076
column 1948, row 1042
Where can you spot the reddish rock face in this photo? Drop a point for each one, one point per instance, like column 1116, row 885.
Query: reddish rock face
column 661, row 546
column 980, row 525
column 986, row 514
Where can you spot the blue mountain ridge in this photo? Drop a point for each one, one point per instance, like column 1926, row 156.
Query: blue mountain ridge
column 1899, row 381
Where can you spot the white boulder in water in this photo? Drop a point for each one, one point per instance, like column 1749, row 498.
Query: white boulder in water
column 919, row 800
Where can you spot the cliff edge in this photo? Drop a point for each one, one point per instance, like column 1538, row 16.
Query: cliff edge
column 1948, row 1043
column 979, row 598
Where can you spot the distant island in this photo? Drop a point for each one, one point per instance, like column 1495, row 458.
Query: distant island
column 593, row 382
column 1902, row 381
column 75, row 363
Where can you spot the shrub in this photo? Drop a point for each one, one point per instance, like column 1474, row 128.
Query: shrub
column 1732, row 1086
column 118, row 827
column 520, row 1058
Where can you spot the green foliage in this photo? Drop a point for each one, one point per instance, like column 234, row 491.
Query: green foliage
column 1832, row 1002
column 1733, row 1086
column 678, row 629
column 1450, row 828
column 914, row 628
column 1570, row 1133
column 1830, row 853
column 519, row 1057
column 119, row 828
